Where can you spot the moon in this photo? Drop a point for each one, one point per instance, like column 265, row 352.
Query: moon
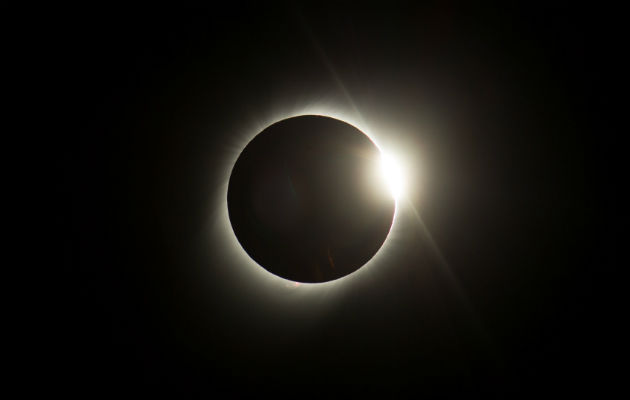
column 308, row 199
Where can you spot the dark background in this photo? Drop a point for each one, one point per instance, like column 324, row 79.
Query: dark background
column 497, row 103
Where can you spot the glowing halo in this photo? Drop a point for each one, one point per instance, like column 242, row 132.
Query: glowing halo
column 233, row 247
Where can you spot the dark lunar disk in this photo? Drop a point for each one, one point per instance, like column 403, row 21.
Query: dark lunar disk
column 305, row 199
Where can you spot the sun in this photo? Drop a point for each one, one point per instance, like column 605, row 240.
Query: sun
column 387, row 176
column 392, row 175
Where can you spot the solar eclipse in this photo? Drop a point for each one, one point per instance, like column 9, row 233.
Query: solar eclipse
column 312, row 199
column 238, row 215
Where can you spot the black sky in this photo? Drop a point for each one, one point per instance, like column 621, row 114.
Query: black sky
column 498, row 105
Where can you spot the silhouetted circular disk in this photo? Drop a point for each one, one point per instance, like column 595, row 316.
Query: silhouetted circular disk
column 305, row 200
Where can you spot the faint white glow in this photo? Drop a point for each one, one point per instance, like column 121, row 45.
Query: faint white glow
column 234, row 251
column 392, row 174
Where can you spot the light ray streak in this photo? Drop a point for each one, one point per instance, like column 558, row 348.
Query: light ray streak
column 332, row 70
column 454, row 281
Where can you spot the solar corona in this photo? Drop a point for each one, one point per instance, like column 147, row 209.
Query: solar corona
column 311, row 198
